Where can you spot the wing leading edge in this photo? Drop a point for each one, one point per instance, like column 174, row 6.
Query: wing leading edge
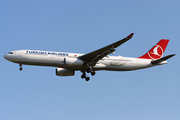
column 95, row 56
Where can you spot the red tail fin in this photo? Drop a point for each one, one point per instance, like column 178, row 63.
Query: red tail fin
column 157, row 51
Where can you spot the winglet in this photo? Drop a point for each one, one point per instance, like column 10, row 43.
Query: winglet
column 130, row 36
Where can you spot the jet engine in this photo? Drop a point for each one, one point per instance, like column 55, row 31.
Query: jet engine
column 64, row 72
column 73, row 61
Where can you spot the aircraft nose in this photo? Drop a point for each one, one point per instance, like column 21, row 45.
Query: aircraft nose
column 10, row 57
column 5, row 56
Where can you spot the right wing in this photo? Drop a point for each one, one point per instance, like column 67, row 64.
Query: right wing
column 95, row 56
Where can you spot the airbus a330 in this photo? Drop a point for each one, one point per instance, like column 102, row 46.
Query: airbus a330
column 68, row 63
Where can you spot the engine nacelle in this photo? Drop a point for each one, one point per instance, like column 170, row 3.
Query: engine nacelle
column 64, row 72
column 73, row 61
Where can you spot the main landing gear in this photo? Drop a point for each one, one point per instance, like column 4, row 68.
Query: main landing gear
column 85, row 76
column 21, row 68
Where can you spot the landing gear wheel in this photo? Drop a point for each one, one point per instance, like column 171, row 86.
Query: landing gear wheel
column 20, row 65
column 93, row 73
column 87, row 79
column 20, row 68
column 83, row 76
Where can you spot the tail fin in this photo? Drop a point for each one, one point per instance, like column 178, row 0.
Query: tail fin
column 157, row 51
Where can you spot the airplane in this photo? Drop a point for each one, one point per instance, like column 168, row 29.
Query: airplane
column 68, row 63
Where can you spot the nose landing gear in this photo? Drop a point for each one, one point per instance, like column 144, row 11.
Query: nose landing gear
column 21, row 68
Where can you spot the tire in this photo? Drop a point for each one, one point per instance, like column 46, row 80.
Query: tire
column 83, row 76
column 87, row 79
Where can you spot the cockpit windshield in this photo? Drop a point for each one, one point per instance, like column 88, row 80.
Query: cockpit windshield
column 10, row 53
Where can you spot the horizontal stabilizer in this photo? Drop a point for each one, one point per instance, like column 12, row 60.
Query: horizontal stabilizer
column 154, row 62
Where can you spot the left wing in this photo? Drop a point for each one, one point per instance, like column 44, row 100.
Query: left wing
column 95, row 56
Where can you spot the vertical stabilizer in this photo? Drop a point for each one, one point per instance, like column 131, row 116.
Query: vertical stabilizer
column 157, row 51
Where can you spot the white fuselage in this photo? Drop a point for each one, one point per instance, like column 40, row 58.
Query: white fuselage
column 57, row 59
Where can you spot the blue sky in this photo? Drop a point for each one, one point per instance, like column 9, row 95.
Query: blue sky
column 82, row 26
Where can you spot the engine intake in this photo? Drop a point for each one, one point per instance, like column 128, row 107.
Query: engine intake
column 64, row 72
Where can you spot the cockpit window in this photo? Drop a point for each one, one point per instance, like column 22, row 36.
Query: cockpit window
column 10, row 53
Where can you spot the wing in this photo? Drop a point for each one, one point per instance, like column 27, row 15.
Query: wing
column 95, row 56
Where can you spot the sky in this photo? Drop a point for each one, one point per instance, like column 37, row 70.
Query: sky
column 82, row 26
